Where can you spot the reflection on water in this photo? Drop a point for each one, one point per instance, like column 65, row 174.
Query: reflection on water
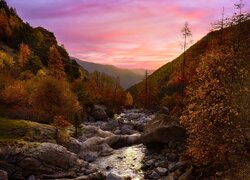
column 125, row 162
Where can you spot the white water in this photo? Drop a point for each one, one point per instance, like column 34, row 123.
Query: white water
column 125, row 162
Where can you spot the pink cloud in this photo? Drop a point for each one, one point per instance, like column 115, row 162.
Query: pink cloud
column 126, row 33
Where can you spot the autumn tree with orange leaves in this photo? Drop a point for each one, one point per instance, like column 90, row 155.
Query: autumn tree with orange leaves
column 55, row 62
column 213, row 116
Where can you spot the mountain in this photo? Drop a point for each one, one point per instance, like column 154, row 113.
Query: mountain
column 14, row 33
column 128, row 77
column 168, row 77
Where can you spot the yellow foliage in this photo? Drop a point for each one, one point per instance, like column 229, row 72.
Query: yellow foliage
column 5, row 60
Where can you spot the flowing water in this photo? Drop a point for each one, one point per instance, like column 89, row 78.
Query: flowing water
column 125, row 162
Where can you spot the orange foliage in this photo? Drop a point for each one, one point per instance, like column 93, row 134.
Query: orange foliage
column 55, row 62
column 15, row 94
column 60, row 122
column 212, row 113
column 24, row 52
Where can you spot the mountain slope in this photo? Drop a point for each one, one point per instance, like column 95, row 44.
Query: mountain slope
column 168, row 77
column 14, row 32
column 127, row 77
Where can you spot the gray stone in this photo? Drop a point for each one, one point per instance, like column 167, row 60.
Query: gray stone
column 163, row 129
column 162, row 171
column 112, row 176
column 32, row 177
column 89, row 158
column 127, row 129
column 3, row 175
column 98, row 113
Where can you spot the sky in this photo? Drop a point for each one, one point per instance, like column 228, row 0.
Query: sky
column 125, row 33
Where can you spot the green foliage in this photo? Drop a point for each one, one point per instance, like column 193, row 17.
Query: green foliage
column 33, row 63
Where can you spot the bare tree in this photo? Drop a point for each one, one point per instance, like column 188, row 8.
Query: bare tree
column 220, row 25
column 186, row 34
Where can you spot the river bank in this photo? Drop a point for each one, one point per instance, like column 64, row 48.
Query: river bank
column 110, row 149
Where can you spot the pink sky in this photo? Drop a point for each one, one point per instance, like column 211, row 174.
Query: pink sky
column 125, row 33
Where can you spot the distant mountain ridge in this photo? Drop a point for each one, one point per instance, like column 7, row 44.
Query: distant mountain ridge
column 128, row 77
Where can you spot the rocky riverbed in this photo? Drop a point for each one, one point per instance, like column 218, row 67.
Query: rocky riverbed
column 133, row 145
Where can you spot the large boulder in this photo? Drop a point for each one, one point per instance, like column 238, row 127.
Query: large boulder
column 99, row 113
column 42, row 160
column 3, row 175
column 163, row 129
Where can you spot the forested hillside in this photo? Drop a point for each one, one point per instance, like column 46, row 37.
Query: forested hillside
column 166, row 84
column 127, row 77
column 38, row 80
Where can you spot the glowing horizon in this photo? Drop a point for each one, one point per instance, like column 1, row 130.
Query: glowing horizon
column 125, row 33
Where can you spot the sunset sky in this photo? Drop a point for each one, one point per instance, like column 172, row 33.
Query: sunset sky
column 125, row 33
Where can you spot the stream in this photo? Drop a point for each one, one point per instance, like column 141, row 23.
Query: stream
column 125, row 162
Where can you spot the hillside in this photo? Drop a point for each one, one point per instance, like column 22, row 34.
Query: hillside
column 128, row 77
column 14, row 32
column 168, row 77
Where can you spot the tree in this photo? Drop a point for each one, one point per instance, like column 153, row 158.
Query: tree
column 128, row 100
column 24, row 52
column 54, row 98
column 186, row 33
column 33, row 63
column 77, row 123
column 55, row 63
column 6, row 61
column 220, row 25
column 212, row 114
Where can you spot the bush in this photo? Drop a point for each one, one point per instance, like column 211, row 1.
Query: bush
column 54, row 98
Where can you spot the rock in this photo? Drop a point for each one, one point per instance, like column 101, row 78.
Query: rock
column 98, row 113
column 163, row 129
column 162, row 171
column 118, row 141
column 127, row 129
column 3, row 175
column 92, row 131
column 95, row 146
column 181, row 165
column 32, row 177
column 155, row 175
column 72, row 145
column 42, row 159
column 89, row 158
column 112, row 176
column 172, row 157
column 118, row 131
column 111, row 125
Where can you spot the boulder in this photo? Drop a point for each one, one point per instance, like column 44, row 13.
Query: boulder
column 162, row 171
column 3, row 175
column 95, row 146
column 119, row 141
column 42, row 159
column 127, row 129
column 163, row 129
column 92, row 131
column 112, row 176
column 99, row 113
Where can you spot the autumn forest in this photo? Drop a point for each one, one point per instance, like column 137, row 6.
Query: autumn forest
column 98, row 108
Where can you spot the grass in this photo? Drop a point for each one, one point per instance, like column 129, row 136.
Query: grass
column 11, row 130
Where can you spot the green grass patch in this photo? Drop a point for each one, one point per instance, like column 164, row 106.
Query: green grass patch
column 11, row 129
